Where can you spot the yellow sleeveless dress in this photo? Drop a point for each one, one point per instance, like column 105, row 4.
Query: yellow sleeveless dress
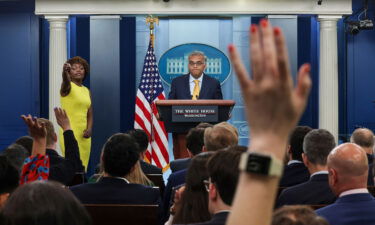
column 76, row 105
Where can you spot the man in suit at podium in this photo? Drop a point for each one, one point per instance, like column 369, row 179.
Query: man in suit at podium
column 195, row 85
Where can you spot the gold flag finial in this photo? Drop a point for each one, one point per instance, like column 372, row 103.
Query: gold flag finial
column 150, row 20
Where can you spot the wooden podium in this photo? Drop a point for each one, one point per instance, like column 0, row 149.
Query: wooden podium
column 179, row 116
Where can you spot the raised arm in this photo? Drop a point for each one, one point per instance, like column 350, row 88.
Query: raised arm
column 90, row 119
column 273, row 108
column 65, row 85
column 71, row 145
column 36, row 167
column 37, row 131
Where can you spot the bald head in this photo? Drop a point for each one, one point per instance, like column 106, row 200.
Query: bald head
column 348, row 168
column 365, row 138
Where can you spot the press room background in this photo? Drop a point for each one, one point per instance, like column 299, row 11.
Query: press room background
column 116, row 48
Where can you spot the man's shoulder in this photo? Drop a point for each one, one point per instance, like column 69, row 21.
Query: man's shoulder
column 179, row 164
column 115, row 193
column 177, row 176
column 117, row 186
column 150, row 169
column 209, row 78
column 181, row 77
column 294, row 174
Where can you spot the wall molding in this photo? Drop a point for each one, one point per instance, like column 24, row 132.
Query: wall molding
column 192, row 7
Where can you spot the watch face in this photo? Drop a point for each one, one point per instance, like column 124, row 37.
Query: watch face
column 258, row 164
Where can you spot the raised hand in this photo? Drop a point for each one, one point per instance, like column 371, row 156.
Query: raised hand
column 66, row 72
column 38, row 132
column 62, row 118
column 273, row 105
column 37, row 129
column 67, row 67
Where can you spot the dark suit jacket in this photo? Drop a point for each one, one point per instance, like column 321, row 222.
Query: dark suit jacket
column 63, row 169
column 180, row 88
column 110, row 190
column 217, row 219
column 354, row 209
column 295, row 173
column 316, row 191
column 180, row 164
column 147, row 168
column 370, row 178
column 174, row 180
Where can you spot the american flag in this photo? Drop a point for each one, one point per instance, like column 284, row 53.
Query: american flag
column 150, row 90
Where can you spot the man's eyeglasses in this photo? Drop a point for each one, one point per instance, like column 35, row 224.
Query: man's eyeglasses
column 199, row 63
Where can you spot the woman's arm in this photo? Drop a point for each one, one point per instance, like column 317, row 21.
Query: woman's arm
column 65, row 85
column 273, row 107
column 36, row 166
column 87, row 133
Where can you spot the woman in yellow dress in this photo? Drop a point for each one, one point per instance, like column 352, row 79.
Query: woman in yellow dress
column 76, row 100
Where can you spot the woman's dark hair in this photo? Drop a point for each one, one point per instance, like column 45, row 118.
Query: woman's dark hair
column 83, row 62
column 194, row 200
column 120, row 154
column 43, row 203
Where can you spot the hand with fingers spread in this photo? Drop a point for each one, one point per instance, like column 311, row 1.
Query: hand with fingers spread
column 38, row 132
column 62, row 118
column 273, row 105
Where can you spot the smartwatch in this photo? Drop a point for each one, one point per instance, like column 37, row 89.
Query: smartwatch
column 262, row 164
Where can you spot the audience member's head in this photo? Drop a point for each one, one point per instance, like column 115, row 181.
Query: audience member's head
column 365, row 138
column 317, row 144
column 297, row 215
column 141, row 138
column 9, row 179
column 296, row 142
column 220, row 136
column 16, row 155
column 43, row 203
column 204, row 125
column 347, row 167
column 51, row 134
column 119, row 155
column 223, row 177
column 26, row 142
column 195, row 141
column 194, row 200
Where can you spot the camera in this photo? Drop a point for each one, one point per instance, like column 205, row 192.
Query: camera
column 355, row 26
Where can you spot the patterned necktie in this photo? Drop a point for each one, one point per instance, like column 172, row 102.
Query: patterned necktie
column 196, row 90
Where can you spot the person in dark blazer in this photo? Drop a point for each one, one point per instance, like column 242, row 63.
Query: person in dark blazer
column 317, row 145
column 348, row 171
column 365, row 138
column 62, row 169
column 196, row 84
column 194, row 145
column 119, row 157
column 142, row 139
column 295, row 172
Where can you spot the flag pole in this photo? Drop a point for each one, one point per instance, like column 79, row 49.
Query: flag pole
column 150, row 21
